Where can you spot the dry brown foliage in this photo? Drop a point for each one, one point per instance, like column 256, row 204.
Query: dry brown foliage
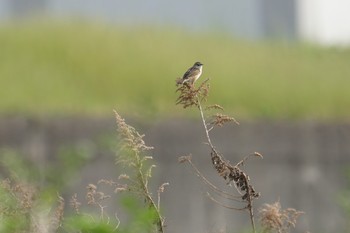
column 190, row 96
column 275, row 219
column 233, row 174
column 220, row 119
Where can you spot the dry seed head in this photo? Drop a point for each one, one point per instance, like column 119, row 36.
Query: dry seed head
column 220, row 119
column 108, row 182
column 57, row 218
column 131, row 139
column 274, row 218
column 90, row 195
column 214, row 106
column 91, row 187
column 123, row 176
column 26, row 194
column 162, row 187
column 189, row 95
column 121, row 188
column 75, row 203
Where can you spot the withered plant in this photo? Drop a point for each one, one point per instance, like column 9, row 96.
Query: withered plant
column 272, row 217
column 20, row 209
column 133, row 155
column 233, row 174
column 275, row 219
column 22, row 206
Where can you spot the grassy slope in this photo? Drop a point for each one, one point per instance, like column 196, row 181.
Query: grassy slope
column 53, row 68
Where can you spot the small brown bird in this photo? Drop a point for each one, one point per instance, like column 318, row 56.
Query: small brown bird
column 192, row 74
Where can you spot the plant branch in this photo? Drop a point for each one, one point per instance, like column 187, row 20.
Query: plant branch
column 149, row 199
column 248, row 194
column 133, row 145
column 211, row 185
column 205, row 124
column 191, row 96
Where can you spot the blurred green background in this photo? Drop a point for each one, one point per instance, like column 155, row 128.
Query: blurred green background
column 74, row 68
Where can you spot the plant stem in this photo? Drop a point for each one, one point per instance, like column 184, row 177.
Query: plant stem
column 151, row 201
column 250, row 204
column 205, row 124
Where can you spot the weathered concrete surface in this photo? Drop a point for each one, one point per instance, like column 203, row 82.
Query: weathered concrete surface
column 304, row 165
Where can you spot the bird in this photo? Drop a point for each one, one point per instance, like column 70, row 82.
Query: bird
column 191, row 75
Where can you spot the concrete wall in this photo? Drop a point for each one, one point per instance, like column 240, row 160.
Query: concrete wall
column 304, row 165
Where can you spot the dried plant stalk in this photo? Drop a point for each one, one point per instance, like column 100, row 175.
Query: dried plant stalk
column 133, row 147
column 189, row 97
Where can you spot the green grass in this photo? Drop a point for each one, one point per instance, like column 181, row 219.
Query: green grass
column 84, row 68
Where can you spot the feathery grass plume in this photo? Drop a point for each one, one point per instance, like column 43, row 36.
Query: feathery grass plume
column 220, row 119
column 275, row 219
column 132, row 155
column 75, row 204
column 190, row 96
column 130, row 138
column 58, row 216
